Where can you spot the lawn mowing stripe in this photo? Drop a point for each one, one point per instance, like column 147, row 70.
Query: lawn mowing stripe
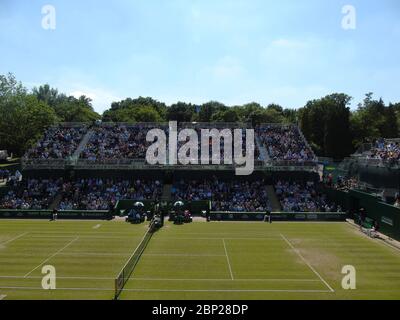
column 82, row 254
column 195, row 238
column 15, row 238
column 182, row 255
column 53, row 255
column 226, row 290
column 306, row 262
column 380, row 241
column 97, row 236
column 227, row 259
column 58, row 277
column 165, row 279
column 230, row 280
column 170, row 290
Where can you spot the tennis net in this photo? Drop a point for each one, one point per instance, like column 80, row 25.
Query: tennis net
column 130, row 265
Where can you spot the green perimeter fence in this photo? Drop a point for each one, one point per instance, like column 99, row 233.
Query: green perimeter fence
column 48, row 214
column 386, row 215
column 277, row 216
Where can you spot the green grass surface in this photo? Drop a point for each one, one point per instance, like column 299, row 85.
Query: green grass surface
column 195, row 261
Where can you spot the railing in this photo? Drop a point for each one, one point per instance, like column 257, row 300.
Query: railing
column 376, row 162
column 365, row 147
column 71, row 124
column 276, row 125
column 46, row 163
column 117, row 164
column 142, row 163
column 293, row 163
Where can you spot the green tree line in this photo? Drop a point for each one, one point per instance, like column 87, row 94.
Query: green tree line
column 332, row 129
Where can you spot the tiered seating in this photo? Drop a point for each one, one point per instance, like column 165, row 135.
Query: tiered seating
column 235, row 196
column 285, row 143
column 34, row 194
column 117, row 142
column 385, row 150
column 222, row 151
column 302, row 197
column 103, row 194
column 57, row 143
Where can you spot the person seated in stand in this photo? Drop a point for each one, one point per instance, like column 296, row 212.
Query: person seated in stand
column 397, row 202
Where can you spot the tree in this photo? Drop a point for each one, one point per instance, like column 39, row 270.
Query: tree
column 147, row 114
column 326, row 125
column 181, row 112
column 229, row 115
column 46, row 94
column 23, row 119
column 126, row 110
column 207, row 110
column 9, row 87
column 373, row 119
column 67, row 108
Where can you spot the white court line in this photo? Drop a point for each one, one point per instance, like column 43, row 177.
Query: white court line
column 230, row 280
column 380, row 241
column 307, row 263
column 84, row 237
column 78, row 254
column 17, row 237
column 227, row 259
column 3, row 296
column 97, row 226
column 65, row 278
column 226, row 290
column 166, row 290
column 66, row 246
column 167, row 279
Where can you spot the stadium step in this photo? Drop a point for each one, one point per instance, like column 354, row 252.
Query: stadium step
column 273, row 199
column 166, row 195
column 82, row 144
column 263, row 151
column 56, row 202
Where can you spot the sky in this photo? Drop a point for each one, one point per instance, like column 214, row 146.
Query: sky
column 235, row 52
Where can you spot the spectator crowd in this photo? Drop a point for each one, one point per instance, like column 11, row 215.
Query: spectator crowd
column 110, row 143
column 57, row 143
column 117, row 142
column 285, row 143
column 221, row 146
column 385, row 150
column 36, row 194
column 302, row 197
column 103, row 194
column 234, row 196
column 4, row 175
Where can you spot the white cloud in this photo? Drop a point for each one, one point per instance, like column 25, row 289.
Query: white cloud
column 75, row 82
column 227, row 68
column 101, row 99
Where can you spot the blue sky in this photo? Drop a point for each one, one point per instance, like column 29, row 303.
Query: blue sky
column 235, row 51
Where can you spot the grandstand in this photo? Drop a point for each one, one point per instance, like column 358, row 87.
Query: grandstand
column 99, row 171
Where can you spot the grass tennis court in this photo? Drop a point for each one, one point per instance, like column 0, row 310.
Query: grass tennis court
column 195, row 261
